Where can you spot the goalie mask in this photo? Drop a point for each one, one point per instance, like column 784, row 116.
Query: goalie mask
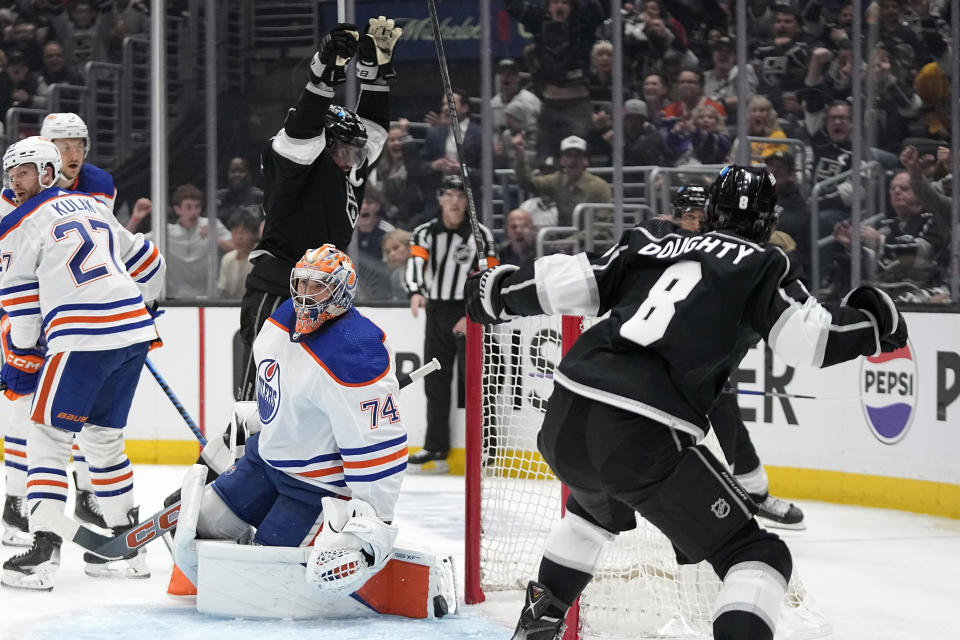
column 346, row 137
column 322, row 286
column 743, row 200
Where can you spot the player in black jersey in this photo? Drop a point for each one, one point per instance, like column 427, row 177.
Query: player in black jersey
column 316, row 168
column 688, row 212
column 632, row 395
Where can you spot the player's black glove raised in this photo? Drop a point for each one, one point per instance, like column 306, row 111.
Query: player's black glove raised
column 891, row 327
column 375, row 50
column 482, row 295
column 335, row 50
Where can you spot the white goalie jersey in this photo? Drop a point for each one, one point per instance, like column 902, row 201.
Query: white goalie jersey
column 73, row 276
column 329, row 407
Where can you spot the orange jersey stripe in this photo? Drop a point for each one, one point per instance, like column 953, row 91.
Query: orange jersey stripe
column 94, row 319
column 492, row 262
column 19, row 454
column 48, row 483
column 11, row 301
column 40, row 405
column 147, row 263
column 419, row 252
column 99, row 481
column 319, row 473
column 390, row 457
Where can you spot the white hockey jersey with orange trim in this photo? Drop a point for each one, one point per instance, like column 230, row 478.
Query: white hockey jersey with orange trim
column 329, row 407
column 74, row 276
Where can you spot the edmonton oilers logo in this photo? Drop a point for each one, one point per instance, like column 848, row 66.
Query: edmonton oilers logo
column 268, row 390
column 889, row 386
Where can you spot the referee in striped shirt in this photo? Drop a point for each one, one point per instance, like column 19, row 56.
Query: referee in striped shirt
column 442, row 254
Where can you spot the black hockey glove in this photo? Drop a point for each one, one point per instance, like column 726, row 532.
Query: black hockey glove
column 482, row 295
column 891, row 326
column 335, row 50
column 375, row 50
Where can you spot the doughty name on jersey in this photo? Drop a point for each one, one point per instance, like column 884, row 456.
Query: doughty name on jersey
column 675, row 246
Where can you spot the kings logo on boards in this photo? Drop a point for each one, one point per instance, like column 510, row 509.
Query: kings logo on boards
column 268, row 390
column 888, row 383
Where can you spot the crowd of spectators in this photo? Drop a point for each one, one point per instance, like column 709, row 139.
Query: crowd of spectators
column 553, row 122
column 553, row 126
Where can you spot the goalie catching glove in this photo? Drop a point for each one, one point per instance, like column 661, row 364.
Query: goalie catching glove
column 335, row 50
column 891, row 327
column 353, row 545
column 375, row 50
column 482, row 295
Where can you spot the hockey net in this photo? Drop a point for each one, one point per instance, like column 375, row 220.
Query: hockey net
column 639, row 591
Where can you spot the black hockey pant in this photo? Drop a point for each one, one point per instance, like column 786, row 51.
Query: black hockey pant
column 440, row 343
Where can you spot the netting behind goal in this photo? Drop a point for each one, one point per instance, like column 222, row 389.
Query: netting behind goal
column 513, row 499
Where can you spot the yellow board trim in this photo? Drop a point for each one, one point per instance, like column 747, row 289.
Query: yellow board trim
column 162, row 451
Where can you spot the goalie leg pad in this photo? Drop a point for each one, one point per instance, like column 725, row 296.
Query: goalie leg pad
column 184, row 542
column 698, row 522
column 15, row 446
column 110, row 471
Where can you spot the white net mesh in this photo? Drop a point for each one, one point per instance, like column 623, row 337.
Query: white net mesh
column 639, row 591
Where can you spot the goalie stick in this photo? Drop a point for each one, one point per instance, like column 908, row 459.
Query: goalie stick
column 126, row 544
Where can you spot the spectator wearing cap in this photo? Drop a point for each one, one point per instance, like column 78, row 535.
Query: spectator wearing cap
column 642, row 142
column 782, row 61
column 510, row 90
column 569, row 186
column 235, row 265
column 720, row 82
column 563, row 35
column 690, row 94
column 18, row 87
column 795, row 212
column 520, row 118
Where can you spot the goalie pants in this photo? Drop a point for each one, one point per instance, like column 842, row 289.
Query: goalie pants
column 285, row 511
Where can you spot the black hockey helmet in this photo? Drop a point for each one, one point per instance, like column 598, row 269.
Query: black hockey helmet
column 453, row 181
column 344, row 125
column 743, row 200
column 689, row 196
column 346, row 137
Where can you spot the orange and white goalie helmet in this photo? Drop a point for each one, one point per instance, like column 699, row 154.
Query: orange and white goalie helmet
column 322, row 286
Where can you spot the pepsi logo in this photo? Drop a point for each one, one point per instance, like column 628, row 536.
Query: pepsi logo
column 268, row 390
column 888, row 383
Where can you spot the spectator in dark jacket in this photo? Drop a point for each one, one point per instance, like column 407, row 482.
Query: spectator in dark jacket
column 240, row 193
column 18, row 87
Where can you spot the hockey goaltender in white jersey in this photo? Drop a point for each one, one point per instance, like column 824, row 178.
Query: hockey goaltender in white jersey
column 319, row 479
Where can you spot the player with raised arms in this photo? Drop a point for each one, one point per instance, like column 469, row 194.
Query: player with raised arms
column 330, row 449
column 79, row 331
column 631, row 397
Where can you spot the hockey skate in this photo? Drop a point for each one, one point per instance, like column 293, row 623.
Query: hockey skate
column 778, row 514
column 542, row 617
column 132, row 567
column 426, row 461
column 87, row 509
column 34, row 568
column 16, row 532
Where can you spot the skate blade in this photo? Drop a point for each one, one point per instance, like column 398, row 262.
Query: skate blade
column 16, row 538
column 433, row 467
column 774, row 524
column 126, row 573
column 41, row 581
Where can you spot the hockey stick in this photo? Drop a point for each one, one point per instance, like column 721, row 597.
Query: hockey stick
column 791, row 396
column 458, row 138
column 176, row 402
column 126, row 544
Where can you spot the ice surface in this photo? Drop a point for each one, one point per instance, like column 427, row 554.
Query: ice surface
column 879, row 575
